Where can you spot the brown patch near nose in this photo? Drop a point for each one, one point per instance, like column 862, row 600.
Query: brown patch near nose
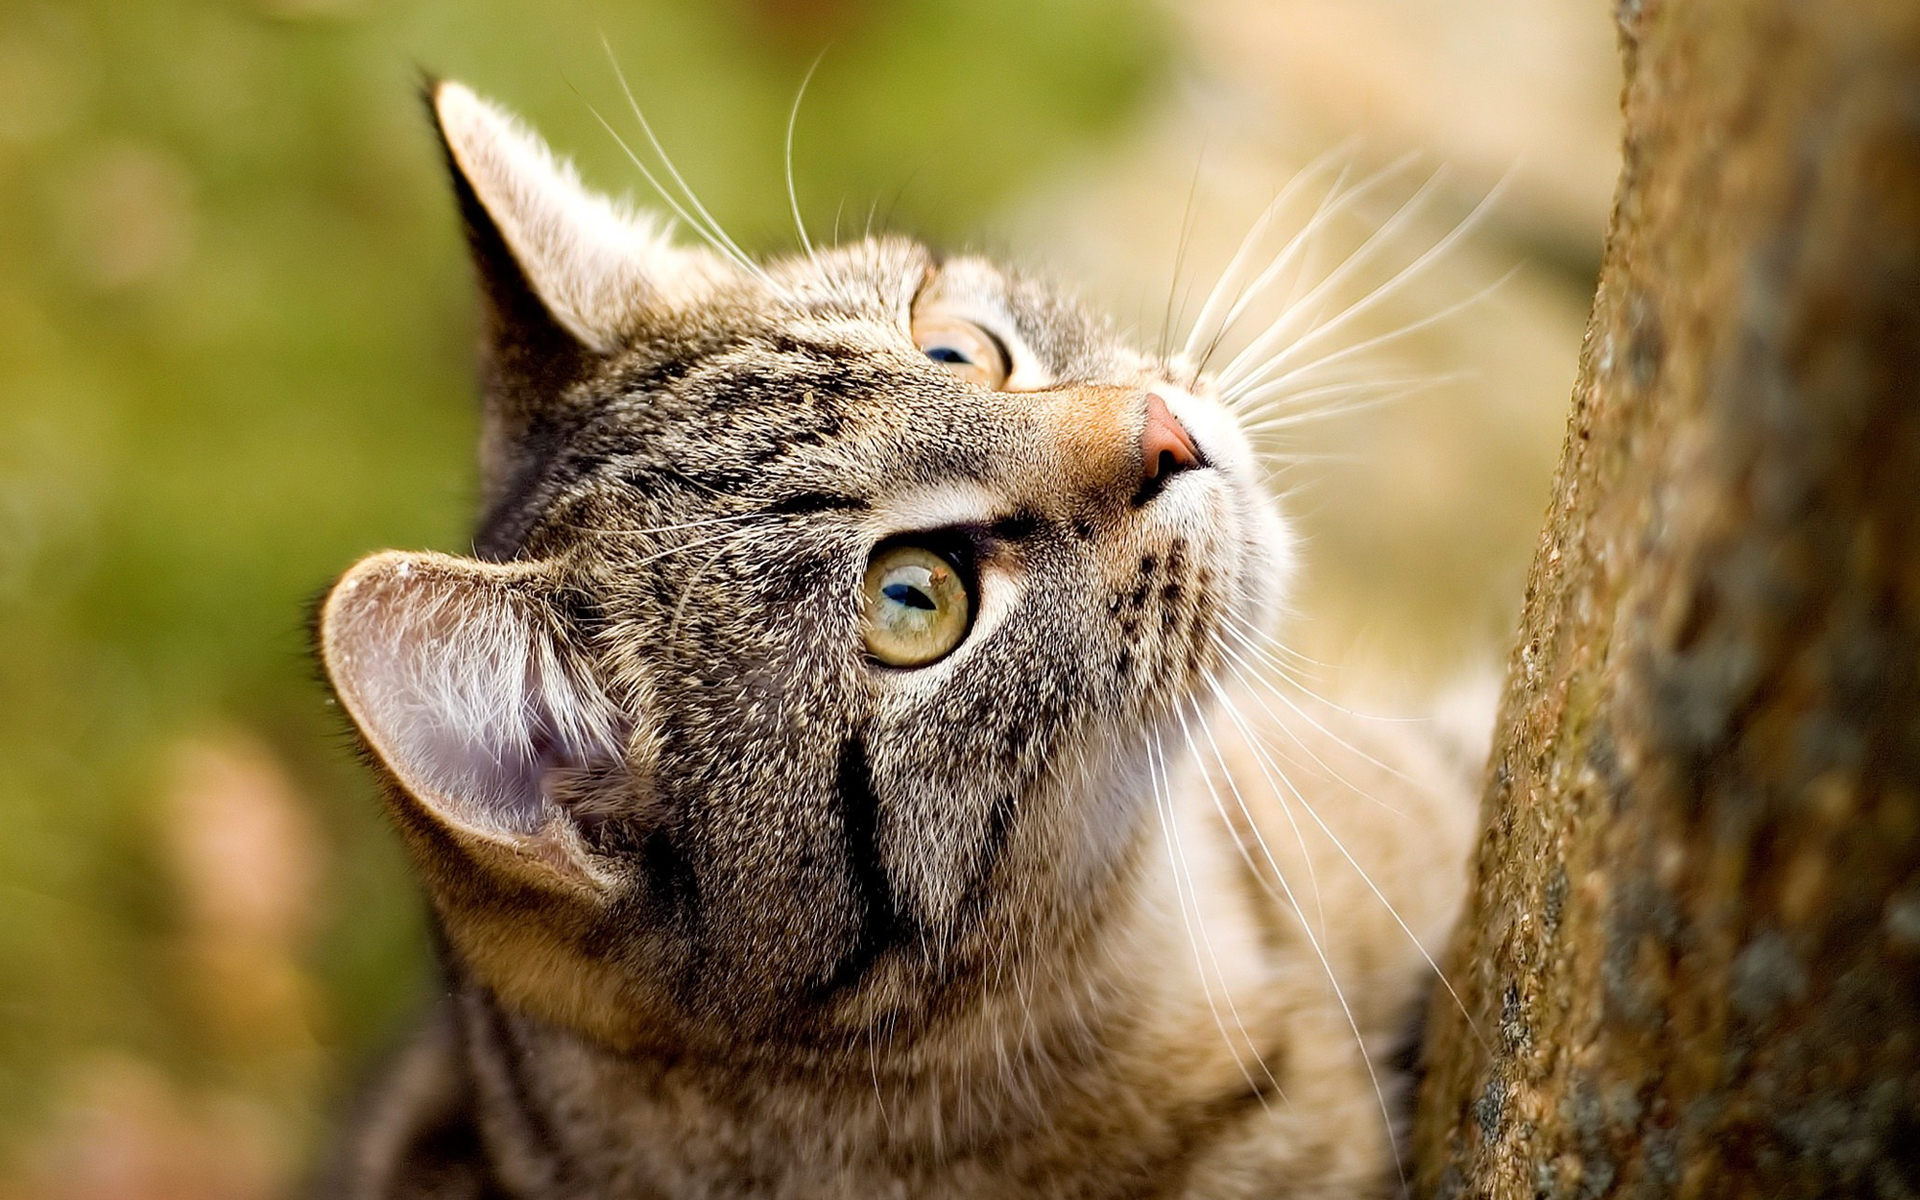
column 1095, row 440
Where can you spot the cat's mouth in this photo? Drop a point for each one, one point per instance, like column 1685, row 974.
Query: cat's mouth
column 1168, row 467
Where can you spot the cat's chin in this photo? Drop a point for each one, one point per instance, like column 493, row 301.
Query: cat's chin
column 1269, row 558
column 1227, row 498
column 1261, row 539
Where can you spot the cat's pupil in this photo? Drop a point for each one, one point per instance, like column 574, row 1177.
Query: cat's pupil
column 907, row 594
column 947, row 354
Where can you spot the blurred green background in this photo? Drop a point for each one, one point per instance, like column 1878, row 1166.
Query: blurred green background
column 235, row 354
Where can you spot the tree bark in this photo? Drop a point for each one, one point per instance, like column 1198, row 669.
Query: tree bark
column 1690, row 964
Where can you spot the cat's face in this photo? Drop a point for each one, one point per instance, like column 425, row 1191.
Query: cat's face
column 824, row 618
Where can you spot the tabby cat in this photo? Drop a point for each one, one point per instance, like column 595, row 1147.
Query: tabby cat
column 843, row 767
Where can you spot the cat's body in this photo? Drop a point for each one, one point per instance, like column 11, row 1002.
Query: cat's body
column 1002, row 902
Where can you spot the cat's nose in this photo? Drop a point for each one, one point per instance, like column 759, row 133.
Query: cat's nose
column 1166, row 449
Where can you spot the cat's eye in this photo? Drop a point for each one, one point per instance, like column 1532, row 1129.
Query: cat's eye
column 962, row 348
column 918, row 607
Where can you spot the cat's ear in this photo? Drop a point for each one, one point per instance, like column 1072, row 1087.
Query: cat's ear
column 459, row 676
column 566, row 276
column 550, row 252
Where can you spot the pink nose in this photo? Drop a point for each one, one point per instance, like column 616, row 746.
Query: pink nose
column 1166, row 448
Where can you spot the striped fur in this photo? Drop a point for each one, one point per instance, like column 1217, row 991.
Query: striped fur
column 730, row 910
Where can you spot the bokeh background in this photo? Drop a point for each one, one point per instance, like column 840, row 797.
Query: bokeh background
column 235, row 353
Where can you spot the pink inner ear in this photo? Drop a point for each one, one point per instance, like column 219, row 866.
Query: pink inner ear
column 457, row 682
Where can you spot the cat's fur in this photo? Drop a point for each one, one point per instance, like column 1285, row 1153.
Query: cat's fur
column 731, row 910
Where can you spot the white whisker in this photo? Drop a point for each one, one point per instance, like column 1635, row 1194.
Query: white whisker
column 1293, row 407
column 667, row 197
column 1271, row 662
column 1252, row 238
column 1326, row 964
column 1332, row 205
column 1394, row 282
column 1245, row 626
column 1157, row 770
column 1361, row 347
column 695, row 544
column 1278, row 646
column 686, row 592
column 793, row 197
column 1252, row 738
column 1232, row 379
column 718, row 236
column 1282, row 670
column 617, row 531
column 1226, row 990
column 1274, row 422
column 1306, row 856
column 1180, row 256
column 1250, row 675
column 1338, row 389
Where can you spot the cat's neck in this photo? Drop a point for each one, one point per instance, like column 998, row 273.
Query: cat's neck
column 1103, row 1061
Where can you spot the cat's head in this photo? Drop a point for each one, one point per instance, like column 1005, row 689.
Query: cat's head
column 822, row 618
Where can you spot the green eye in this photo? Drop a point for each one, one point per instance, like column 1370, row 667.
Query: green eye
column 917, row 606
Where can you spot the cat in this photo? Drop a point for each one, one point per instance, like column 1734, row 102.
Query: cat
column 843, row 767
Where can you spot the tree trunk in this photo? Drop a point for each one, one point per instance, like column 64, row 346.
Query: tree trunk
column 1690, row 964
